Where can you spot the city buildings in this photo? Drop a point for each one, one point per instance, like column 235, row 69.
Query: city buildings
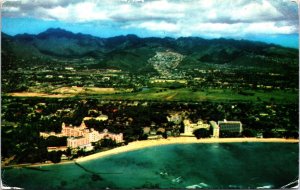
column 71, row 131
column 230, row 126
column 82, row 137
column 222, row 128
column 176, row 118
column 99, row 118
column 81, row 142
column 216, row 129
column 56, row 148
column 189, row 127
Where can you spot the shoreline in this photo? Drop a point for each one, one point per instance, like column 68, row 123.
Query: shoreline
column 136, row 145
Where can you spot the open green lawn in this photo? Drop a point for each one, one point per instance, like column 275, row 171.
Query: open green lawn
column 186, row 94
column 181, row 94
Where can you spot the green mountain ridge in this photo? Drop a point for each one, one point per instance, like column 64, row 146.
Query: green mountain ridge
column 131, row 53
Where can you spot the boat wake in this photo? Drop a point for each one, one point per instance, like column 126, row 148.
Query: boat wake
column 265, row 187
column 197, row 186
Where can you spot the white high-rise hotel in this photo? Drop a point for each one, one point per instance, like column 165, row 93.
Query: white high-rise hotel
column 230, row 126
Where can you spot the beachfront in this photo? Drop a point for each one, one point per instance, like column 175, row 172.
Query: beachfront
column 175, row 166
column 136, row 145
column 179, row 140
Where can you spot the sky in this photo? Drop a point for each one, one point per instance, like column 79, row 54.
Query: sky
column 271, row 21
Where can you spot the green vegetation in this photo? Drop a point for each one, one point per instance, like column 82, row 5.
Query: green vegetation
column 188, row 95
column 58, row 76
column 249, row 133
column 202, row 133
column 108, row 143
column 131, row 53
column 23, row 116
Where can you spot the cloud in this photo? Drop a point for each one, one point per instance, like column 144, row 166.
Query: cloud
column 79, row 12
column 11, row 9
column 256, row 12
column 159, row 26
column 269, row 28
column 174, row 17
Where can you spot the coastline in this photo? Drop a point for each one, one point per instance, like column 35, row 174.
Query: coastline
column 136, row 145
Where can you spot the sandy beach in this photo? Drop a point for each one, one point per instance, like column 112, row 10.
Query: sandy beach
column 178, row 140
column 159, row 142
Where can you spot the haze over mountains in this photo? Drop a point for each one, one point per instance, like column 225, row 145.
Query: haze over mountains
column 132, row 53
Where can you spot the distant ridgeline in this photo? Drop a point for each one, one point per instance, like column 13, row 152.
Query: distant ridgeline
column 134, row 54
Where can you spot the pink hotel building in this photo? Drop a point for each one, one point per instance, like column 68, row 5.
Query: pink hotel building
column 82, row 136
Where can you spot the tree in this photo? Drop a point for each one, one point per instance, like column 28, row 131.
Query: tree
column 249, row 133
column 55, row 156
column 56, row 141
column 68, row 152
column 291, row 134
column 268, row 134
column 165, row 135
column 108, row 143
column 201, row 133
column 97, row 145
column 143, row 137
column 80, row 152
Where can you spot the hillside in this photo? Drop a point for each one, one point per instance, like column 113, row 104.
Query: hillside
column 134, row 54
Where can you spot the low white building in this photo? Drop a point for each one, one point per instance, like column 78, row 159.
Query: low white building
column 102, row 118
column 75, row 142
column 99, row 118
column 175, row 118
column 216, row 129
column 189, row 127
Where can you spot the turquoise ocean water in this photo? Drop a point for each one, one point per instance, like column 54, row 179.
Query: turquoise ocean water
column 227, row 165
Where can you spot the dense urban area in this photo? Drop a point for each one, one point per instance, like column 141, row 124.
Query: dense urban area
column 134, row 113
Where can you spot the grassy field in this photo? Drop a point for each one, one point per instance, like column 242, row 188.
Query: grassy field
column 88, row 90
column 182, row 94
column 38, row 94
column 186, row 94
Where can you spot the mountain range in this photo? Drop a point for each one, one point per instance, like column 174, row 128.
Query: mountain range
column 132, row 53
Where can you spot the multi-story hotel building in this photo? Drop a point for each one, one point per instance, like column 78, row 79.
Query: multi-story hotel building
column 116, row 137
column 71, row 131
column 230, row 126
column 75, row 142
column 82, row 136
column 189, row 127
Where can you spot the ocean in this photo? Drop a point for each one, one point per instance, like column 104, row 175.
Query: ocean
column 216, row 165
